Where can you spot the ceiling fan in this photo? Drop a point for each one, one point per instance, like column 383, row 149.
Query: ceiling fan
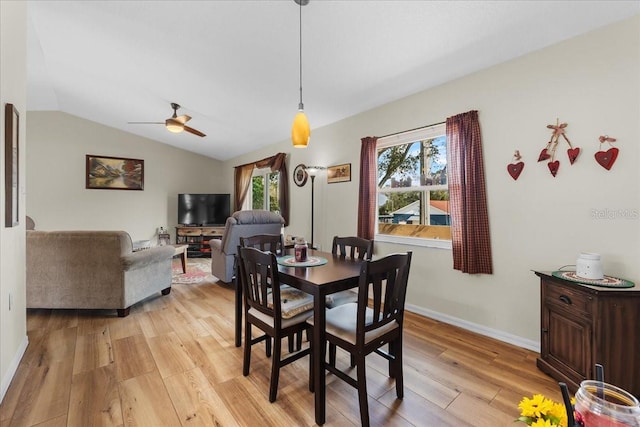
column 175, row 123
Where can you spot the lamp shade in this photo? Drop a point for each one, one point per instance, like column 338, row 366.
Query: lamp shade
column 174, row 126
column 300, row 131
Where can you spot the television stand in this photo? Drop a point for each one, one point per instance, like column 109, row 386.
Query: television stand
column 198, row 238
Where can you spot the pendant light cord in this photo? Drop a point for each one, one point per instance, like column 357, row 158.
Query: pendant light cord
column 300, row 105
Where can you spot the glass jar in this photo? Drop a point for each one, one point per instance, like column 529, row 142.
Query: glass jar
column 300, row 251
column 599, row 404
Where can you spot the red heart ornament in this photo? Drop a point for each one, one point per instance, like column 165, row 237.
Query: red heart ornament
column 606, row 159
column 573, row 154
column 515, row 169
column 553, row 167
column 544, row 155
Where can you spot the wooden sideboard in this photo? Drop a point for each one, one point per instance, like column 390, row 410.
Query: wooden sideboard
column 582, row 325
column 197, row 238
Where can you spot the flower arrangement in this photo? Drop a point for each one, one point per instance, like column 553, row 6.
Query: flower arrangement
column 540, row 411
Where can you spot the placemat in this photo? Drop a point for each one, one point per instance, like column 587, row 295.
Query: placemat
column 312, row 261
column 606, row 282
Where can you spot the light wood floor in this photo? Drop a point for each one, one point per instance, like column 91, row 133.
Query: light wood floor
column 172, row 362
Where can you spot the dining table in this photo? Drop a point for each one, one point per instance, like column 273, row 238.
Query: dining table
column 335, row 275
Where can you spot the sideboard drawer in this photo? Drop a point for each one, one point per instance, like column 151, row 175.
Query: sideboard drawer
column 570, row 298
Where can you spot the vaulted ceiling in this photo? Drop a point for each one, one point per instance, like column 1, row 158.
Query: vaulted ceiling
column 233, row 65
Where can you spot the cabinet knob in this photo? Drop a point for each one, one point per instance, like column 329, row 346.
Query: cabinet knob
column 565, row 299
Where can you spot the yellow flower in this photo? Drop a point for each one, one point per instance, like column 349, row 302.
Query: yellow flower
column 542, row 423
column 535, row 407
column 559, row 413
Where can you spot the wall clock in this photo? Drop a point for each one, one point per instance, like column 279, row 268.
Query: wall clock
column 300, row 175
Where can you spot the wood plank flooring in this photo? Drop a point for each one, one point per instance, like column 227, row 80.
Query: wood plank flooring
column 172, row 362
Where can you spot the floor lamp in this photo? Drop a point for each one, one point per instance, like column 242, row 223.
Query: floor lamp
column 312, row 171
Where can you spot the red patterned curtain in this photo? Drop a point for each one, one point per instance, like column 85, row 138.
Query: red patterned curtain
column 367, row 208
column 468, row 200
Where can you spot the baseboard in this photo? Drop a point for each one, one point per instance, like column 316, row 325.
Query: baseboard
column 474, row 327
column 13, row 367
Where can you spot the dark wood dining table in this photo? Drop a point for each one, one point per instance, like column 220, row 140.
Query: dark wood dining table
column 338, row 274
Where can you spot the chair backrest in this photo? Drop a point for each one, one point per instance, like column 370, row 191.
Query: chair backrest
column 249, row 223
column 273, row 243
column 260, row 282
column 352, row 247
column 385, row 281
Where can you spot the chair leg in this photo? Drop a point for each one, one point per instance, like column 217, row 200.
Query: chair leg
column 311, row 378
column 353, row 361
column 398, row 368
column 267, row 345
column 299, row 341
column 362, row 391
column 332, row 355
column 247, row 349
column 275, row 369
column 290, row 341
column 392, row 352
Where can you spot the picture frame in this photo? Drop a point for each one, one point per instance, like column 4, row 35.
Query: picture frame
column 339, row 173
column 11, row 166
column 114, row 173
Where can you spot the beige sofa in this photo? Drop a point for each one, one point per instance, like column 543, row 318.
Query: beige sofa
column 240, row 224
column 93, row 270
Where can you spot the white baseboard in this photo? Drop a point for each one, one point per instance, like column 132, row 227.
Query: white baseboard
column 13, row 367
column 474, row 327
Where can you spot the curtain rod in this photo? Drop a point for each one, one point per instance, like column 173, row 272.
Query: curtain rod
column 411, row 130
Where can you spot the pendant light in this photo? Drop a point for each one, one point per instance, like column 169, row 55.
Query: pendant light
column 300, row 131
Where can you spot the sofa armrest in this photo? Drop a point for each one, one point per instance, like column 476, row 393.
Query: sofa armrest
column 141, row 259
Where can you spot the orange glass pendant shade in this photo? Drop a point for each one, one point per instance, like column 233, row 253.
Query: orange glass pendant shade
column 300, row 131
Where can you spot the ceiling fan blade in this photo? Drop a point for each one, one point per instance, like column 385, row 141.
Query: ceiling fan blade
column 193, row 131
column 183, row 119
column 145, row 123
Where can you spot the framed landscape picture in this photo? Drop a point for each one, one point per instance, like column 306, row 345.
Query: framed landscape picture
column 114, row 173
column 339, row 173
column 11, row 151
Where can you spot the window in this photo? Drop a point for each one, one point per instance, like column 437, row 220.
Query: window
column 264, row 190
column 413, row 197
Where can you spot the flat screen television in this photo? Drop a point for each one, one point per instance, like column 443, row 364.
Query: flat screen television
column 203, row 209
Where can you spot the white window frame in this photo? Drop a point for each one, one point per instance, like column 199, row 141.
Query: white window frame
column 407, row 138
column 264, row 173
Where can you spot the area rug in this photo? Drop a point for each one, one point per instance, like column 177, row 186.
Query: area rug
column 198, row 271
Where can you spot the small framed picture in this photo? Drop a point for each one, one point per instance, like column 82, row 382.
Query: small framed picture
column 339, row 173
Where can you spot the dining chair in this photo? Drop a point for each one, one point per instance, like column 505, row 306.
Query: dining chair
column 361, row 330
column 278, row 313
column 349, row 247
column 273, row 243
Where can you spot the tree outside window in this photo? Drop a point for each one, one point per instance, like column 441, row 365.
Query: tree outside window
column 264, row 191
column 413, row 198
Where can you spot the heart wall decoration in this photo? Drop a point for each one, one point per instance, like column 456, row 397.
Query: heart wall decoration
column 606, row 159
column 549, row 152
column 515, row 169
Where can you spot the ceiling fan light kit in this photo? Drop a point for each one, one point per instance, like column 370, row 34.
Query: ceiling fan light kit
column 174, row 126
column 300, row 131
column 175, row 123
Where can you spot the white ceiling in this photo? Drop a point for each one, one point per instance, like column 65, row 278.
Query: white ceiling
column 233, row 65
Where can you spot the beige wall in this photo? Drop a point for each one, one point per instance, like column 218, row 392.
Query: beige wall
column 591, row 82
column 58, row 200
column 13, row 90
